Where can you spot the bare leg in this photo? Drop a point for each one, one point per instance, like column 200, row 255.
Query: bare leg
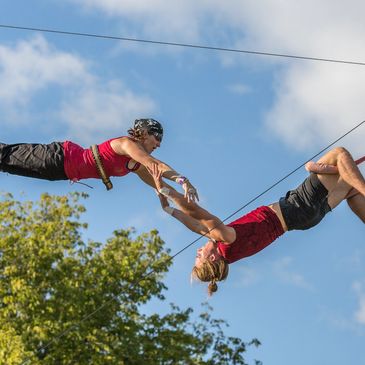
column 357, row 205
column 321, row 168
column 350, row 172
column 347, row 169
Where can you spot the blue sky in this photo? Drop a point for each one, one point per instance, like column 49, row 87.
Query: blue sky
column 234, row 124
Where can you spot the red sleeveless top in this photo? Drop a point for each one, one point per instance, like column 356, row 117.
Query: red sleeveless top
column 79, row 162
column 255, row 231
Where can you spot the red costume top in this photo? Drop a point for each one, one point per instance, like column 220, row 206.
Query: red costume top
column 254, row 231
column 79, row 163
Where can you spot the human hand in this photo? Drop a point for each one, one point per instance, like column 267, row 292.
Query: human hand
column 156, row 173
column 161, row 191
column 191, row 193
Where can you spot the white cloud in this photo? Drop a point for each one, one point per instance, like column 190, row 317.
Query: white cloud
column 33, row 65
column 87, row 105
column 283, row 271
column 103, row 110
column 314, row 102
column 175, row 19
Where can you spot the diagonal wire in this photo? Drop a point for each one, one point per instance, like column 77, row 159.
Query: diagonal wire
column 186, row 45
column 149, row 273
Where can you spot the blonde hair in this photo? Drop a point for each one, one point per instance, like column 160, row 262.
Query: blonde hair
column 211, row 271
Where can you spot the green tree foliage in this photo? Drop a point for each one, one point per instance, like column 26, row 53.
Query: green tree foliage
column 64, row 301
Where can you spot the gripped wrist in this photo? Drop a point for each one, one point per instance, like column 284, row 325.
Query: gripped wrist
column 169, row 210
column 181, row 180
column 164, row 191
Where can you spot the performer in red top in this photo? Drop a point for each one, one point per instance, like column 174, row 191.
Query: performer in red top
column 115, row 157
column 334, row 178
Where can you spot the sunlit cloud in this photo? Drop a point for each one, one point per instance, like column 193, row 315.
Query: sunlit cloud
column 314, row 102
column 103, row 110
column 154, row 18
column 311, row 111
column 33, row 65
column 87, row 106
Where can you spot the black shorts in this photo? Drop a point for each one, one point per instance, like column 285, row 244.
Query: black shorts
column 42, row 161
column 305, row 206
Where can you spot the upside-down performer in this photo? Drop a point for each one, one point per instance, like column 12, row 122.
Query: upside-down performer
column 334, row 178
column 114, row 157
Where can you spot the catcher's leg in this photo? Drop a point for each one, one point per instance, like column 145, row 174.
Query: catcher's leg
column 357, row 204
column 347, row 168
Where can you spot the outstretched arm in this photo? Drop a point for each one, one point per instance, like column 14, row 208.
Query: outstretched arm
column 126, row 146
column 189, row 222
column 192, row 215
column 147, row 178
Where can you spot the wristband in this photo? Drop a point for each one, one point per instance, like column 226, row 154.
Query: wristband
column 169, row 210
column 181, row 180
column 164, row 191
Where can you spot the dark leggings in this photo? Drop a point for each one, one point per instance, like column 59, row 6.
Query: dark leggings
column 41, row 161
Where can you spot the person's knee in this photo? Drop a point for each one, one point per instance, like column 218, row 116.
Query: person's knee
column 333, row 156
column 342, row 154
column 340, row 150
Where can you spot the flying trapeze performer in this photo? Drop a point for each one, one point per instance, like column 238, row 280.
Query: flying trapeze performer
column 334, row 178
column 114, row 157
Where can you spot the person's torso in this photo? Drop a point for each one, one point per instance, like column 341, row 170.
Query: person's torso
column 79, row 162
column 254, row 231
